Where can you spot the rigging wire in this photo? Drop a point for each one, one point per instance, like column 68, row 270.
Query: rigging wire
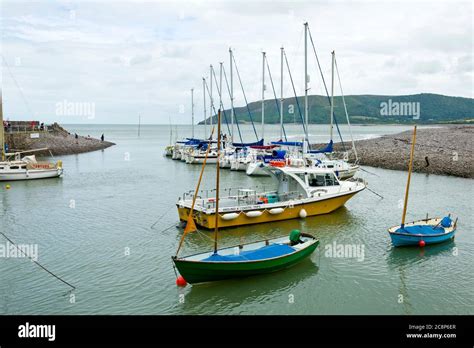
column 276, row 98
column 296, row 96
column 325, row 87
column 245, row 97
column 36, row 262
column 220, row 100
column 18, row 86
column 345, row 110
column 235, row 114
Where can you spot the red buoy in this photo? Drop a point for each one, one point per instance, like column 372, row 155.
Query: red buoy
column 180, row 281
column 421, row 243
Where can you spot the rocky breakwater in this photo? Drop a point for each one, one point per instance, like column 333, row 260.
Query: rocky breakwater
column 58, row 140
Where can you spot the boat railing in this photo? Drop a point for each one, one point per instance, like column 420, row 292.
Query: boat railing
column 241, row 200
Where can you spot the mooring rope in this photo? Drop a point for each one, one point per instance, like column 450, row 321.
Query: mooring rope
column 37, row 263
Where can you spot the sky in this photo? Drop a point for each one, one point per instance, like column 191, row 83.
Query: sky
column 106, row 62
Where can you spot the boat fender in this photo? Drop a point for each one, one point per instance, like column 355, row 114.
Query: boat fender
column 230, row 216
column 303, row 213
column 253, row 213
column 276, row 211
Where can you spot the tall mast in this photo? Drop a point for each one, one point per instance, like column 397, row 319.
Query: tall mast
column 216, row 229
column 332, row 95
column 410, row 168
column 281, row 98
column 212, row 100
column 221, row 64
column 204, row 103
column 231, row 97
column 171, row 131
column 192, row 112
column 2, row 136
column 263, row 95
column 306, row 78
column 139, row 124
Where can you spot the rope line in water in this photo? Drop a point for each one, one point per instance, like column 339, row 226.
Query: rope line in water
column 37, row 263
column 375, row 193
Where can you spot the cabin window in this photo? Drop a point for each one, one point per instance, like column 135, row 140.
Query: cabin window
column 302, row 176
column 318, row 180
column 330, row 180
column 14, row 167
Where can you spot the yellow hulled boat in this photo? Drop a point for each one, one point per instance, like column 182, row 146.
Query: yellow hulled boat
column 300, row 192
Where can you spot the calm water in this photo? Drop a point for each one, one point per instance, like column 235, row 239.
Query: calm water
column 105, row 205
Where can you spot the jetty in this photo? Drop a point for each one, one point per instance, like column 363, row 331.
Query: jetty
column 28, row 135
column 443, row 150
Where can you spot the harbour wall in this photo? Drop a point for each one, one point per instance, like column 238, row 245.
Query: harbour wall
column 54, row 137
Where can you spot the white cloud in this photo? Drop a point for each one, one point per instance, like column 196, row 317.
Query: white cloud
column 133, row 56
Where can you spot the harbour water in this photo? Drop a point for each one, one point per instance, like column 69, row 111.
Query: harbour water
column 108, row 228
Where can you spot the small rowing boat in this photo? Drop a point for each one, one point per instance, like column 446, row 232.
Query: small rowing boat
column 421, row 232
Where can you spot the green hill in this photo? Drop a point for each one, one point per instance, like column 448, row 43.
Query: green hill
column 364, row 109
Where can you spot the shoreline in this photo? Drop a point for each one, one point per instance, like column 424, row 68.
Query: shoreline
column 442, row 150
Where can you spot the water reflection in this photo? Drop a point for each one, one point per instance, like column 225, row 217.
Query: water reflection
column 224, row 296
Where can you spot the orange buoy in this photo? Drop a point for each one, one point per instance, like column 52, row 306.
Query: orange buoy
column 421, row 243
column 180, row 281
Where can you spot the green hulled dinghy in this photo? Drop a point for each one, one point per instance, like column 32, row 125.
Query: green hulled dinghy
column 245, row 260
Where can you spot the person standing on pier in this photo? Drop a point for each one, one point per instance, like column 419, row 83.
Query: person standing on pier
column 102, row 137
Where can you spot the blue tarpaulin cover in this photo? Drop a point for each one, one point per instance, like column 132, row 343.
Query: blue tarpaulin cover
column 328, row 148
column 421, row 229
column 288, row 143
column 266, row 252
column 258, row 143
column 446, row 222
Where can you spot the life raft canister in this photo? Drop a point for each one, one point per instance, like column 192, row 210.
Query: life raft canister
column 277, row 163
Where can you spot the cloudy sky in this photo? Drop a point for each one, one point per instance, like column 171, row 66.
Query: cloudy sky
column 125, row 58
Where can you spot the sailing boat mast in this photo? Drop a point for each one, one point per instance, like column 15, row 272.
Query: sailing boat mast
column 306, row 79
column 211, row 106
column 332, row 95
column 204, row 103
column 2, row 135
column 410, row 167
column 192, row 113
column 263, row 95
column 139, row 124
column 281, row 97
column 171, row 131
column 231, row 97
column 217, row 179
